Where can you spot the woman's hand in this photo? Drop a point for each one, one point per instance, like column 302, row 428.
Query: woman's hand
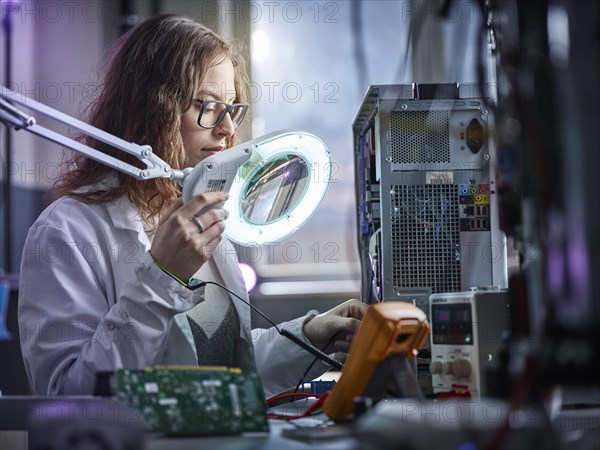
column 184, row 239
column 341, row 322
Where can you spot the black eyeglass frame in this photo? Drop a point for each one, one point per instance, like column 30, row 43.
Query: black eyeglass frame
column 228, row 110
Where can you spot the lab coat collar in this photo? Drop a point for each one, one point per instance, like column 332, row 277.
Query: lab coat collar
column 125, row 216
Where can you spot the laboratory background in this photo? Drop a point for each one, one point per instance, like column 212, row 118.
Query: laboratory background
column 464, row 151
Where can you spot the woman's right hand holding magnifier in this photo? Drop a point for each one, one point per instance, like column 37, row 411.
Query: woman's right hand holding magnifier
column 188, row 234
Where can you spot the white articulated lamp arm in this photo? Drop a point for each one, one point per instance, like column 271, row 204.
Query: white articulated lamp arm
column 10, row 115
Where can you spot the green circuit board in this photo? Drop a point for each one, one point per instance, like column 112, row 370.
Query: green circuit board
column 194, row 400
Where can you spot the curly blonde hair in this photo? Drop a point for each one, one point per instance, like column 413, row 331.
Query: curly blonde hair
column 154, row 73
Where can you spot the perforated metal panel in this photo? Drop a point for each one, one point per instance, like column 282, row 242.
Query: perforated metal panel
column 425, row 237
column 418, row 137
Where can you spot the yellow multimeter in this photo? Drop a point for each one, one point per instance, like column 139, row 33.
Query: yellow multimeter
column 390, row 333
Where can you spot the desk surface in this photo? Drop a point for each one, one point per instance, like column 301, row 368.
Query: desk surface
column 32, row 421
column 308, row 432
column 332, row 437
column 25, row 421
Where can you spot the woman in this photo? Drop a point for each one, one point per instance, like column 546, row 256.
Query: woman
column 106, row 266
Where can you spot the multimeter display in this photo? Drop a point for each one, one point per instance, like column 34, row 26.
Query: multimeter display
column 452, row 324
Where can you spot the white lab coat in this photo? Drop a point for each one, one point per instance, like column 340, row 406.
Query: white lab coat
column 92, row 299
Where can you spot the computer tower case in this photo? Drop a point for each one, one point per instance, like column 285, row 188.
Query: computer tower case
column 425, row 165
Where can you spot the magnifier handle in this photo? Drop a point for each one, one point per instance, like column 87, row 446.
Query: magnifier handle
column 215, row 173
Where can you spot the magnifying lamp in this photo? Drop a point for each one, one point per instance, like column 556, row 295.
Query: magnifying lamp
column 276, row 182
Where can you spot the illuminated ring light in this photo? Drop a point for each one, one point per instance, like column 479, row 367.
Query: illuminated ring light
column 286, row 142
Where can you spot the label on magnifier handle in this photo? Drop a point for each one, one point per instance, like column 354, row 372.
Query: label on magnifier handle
column 215, row 173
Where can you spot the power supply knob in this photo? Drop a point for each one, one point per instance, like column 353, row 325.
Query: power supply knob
column 448, row 368
column 435, row 367
column 462, row 369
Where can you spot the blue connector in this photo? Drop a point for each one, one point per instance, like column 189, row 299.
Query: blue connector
column 320, row 387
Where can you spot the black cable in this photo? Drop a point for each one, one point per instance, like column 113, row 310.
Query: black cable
column 413, row 35
column 359, row 51
column 486, row 27
column 445, row 9
column 7, row 191
column 304, row 375
column 288, row 334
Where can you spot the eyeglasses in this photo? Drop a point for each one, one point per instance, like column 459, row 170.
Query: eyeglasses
column 212, row 112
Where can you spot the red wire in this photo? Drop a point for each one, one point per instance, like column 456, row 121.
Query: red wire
column 297, row 394
column 317, row 405
column 314, row 407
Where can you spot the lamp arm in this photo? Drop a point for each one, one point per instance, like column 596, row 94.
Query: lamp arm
column 11, row 115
